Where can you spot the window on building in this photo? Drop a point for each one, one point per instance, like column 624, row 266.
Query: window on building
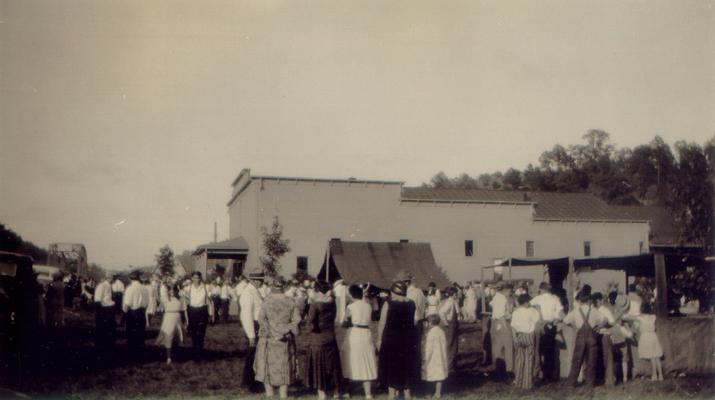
column 640, row 247
column 529, row 248
column 587, row 249
column 301, row 264
column 468, row 248
column 404, row 240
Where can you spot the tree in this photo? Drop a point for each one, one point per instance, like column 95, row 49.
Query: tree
column 693, row 192
column 165, row 260
column 512, row 179
column 275, row 247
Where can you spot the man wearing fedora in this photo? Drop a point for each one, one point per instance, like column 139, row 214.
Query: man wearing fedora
column 250, row 302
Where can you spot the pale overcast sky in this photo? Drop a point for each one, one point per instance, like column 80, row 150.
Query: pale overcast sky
column 123, row 123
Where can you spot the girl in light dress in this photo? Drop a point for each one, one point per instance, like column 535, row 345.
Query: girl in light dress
column 358, row 360
column 435, row 365
column 170, row 332
column 649, row 346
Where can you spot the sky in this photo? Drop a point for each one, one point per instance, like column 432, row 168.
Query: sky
column 123, row 123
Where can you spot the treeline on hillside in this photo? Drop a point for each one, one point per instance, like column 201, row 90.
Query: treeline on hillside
column 680, row 178
column 11, row 241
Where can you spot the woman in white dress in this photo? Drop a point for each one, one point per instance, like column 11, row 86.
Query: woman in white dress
column 434, row 356
column 470, row 303
column 358, row 361
column 170, row 331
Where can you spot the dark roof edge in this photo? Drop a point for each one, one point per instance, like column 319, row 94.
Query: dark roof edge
column 611, row 220
column 515, row 203
column 325, row 180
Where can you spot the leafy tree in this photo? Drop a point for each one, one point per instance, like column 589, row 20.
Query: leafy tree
column 693, row 192
column 165, row 260
column 512, row 179
column 12, row 242
column 275, row 247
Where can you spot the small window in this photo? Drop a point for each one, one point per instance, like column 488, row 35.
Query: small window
column 529, row 248
column 587, row 249
column 640, row 247
column 468, row 248
column 302, row 264
column 404, row 240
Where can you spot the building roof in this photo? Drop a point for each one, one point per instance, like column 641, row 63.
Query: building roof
column 563, row 207
column 379, row 262
column 237, row 244
column 547, row 205
column 663, row 225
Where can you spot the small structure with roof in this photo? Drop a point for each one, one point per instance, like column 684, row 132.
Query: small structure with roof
column 229, row 255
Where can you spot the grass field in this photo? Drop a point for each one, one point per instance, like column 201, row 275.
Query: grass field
column 76, row 373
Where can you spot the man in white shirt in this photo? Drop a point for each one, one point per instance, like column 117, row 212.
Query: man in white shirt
column 104, row 317
column 551, row 311
column 250, row 302
column 340, row 292
column 117, row 293
column 501, row 336
column 418, row 297
column 587, row 320
column 134, row 307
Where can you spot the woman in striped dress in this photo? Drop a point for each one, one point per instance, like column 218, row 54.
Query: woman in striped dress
column 523, row 325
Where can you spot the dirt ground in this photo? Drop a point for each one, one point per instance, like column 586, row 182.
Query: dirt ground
column 76, row 373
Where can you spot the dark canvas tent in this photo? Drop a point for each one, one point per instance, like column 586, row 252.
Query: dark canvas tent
column 379, row 262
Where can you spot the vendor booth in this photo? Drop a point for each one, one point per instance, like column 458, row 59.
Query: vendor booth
column 688, row 341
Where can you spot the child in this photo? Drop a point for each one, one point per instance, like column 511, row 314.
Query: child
column 170, row 330
column 523, row 325
column 435, row 367
column 648, row 344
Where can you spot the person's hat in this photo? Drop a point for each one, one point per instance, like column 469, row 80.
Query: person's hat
column 399, row 288
column 257, row 275
column 57, row 275
column 338, row 283
column 622, row 302
column 322, row 286
column 545, row 286
column 403, row 275
column 278, row 282
column 135, row 275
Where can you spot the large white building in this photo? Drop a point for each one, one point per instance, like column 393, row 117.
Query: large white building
column 467, row 229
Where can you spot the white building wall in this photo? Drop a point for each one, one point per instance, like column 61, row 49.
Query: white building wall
column 314, row 212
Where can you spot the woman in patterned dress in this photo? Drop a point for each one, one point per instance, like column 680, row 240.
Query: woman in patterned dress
column 275, row 352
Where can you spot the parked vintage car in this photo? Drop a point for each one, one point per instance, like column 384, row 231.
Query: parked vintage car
column 20, row 307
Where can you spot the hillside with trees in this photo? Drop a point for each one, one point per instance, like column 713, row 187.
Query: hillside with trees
column 12, row 242
column 681, row 178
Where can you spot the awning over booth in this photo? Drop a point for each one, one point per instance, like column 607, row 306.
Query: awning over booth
column 379, row 262
column 232, row 248
column 637, row 265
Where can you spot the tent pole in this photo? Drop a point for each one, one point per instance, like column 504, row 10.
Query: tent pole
column 327, row 263
column 569, row 283
column 661, row 285
column 509, row 269
column 484, row 293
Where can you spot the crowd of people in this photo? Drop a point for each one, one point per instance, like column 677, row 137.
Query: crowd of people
column 325, row 335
